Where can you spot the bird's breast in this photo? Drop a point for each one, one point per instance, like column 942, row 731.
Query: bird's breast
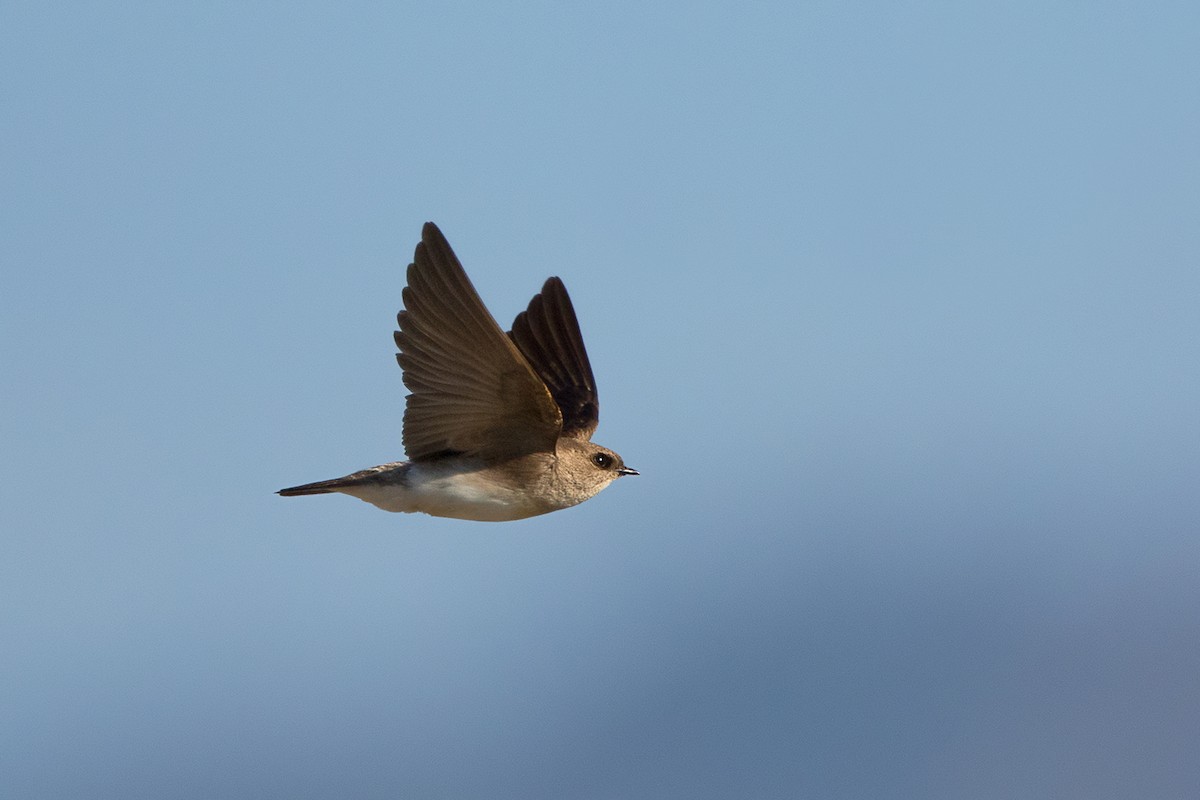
column 469, row 489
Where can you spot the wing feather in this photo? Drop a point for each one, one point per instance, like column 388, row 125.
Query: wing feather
column 472, row 391
column 547, row 334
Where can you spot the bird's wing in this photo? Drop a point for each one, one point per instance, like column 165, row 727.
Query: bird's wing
column 547, row 334
column 472, row 390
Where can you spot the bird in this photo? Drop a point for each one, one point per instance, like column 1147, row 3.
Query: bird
column 497, row 425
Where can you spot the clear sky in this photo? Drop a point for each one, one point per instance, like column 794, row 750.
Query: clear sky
column 895, row 306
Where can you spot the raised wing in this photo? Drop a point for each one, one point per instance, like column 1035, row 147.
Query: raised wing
column 472, row 390
column 547, row 334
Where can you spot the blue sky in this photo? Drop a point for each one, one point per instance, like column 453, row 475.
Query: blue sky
column 895, row 308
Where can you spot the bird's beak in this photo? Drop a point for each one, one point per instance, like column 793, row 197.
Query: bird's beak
column 627, row 471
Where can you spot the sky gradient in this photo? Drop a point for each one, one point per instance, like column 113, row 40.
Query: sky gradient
column 897, row 311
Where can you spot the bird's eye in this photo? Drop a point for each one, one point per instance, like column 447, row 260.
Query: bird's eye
column 602, row 460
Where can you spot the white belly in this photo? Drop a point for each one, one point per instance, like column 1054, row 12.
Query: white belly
column 452, row 489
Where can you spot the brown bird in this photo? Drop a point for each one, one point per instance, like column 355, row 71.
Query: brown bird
column 498, row 426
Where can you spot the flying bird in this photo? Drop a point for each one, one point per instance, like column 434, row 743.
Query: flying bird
column 497, row 426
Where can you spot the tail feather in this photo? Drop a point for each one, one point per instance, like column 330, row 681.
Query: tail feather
column 372, row 475
column 329, row 486
column 320, row 487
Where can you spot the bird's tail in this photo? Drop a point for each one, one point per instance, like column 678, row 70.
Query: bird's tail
column 360, row 478
column 320, row 487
